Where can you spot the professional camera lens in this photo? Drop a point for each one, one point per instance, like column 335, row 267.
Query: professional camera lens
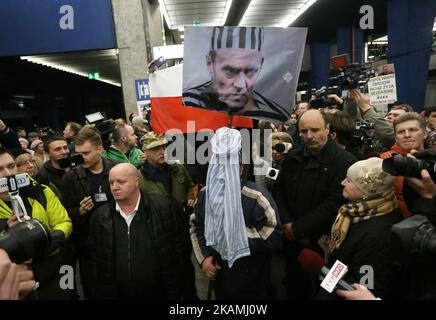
column 400, row 165
column 26, row 240
column 280, row 147
column 413, row 237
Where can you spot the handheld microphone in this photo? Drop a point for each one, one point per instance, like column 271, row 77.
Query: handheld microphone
column 333, row 277
column 342, row 284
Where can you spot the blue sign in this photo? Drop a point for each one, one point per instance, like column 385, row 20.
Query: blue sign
column 47, row 26
column 142, row 90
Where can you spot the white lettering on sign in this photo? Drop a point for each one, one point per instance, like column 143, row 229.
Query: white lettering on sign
column 67, row 20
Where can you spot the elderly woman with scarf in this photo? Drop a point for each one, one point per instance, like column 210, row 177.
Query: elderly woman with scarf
column 360, row 236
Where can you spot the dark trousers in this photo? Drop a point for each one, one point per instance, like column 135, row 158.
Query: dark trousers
column 299, row 283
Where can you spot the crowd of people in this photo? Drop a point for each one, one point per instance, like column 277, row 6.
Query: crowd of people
column 134, row 223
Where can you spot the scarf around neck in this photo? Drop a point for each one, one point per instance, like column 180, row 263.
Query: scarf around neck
column 355, row 212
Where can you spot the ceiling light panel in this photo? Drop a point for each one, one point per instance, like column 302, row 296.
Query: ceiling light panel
column 180, row 13
column 274, row 13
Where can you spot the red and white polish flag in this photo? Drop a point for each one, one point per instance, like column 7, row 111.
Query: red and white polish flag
column 168, row 112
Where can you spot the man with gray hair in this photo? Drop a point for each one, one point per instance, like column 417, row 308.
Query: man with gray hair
column 234, row 63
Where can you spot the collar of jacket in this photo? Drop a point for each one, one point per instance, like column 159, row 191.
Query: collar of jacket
column 397, row 149
column 49, row 167
column 143, row 203
column 149, row 173
column 325, row 155
column 82, row 173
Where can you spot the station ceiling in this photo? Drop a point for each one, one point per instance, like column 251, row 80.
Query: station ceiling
column 321, row 17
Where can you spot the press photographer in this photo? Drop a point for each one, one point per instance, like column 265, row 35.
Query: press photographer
column 51, row 173
column 41, row 204
column 358, row 107
column 409, row 135
column 85, row 188
column 326, row 98
column 414, row 238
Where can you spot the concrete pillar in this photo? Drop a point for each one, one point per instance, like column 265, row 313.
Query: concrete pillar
column 138, row 27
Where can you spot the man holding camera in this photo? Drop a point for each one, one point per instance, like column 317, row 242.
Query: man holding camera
column 85, row 188
column 410, row 134
column 42, row 204
column 56, row 147
column 357, row 105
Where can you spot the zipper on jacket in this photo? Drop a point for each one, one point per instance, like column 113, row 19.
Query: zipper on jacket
column 129, row 262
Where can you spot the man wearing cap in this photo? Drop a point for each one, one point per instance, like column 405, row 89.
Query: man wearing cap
column 234, row 63
column 157, row 176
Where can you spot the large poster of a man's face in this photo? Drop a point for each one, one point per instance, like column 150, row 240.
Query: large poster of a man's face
column 249, row 71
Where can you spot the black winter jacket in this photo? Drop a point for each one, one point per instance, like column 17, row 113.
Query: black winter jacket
column 75, row 186
column 160, row 219
column 48, row 174
column 368, row 245
column 308, row 190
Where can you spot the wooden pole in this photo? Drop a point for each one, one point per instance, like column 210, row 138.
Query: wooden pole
column 230, row 120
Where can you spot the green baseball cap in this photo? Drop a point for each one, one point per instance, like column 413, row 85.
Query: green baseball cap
column 152, row 140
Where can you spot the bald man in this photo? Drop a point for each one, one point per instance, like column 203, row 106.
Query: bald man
column 136, row 244
column 308, row 193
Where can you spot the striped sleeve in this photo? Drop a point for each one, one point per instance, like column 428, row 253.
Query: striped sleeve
column 264, row 229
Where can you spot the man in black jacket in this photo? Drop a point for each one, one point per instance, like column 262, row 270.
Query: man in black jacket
column 84, row 189
column 136, row 243
column 308, row 193
column 51, row 173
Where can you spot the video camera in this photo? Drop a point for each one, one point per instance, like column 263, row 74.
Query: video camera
column 70, row 161
column 362, row 137
column 29, row 238
column 44, row 131
column 413, row 237
column 400, row 165
column 321, row 97
column 104, row 127
column 351, row 75
column 283, row 147
column 26, row 240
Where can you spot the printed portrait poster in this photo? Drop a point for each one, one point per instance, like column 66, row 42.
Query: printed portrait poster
column 382, row 89
column 248, row 71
